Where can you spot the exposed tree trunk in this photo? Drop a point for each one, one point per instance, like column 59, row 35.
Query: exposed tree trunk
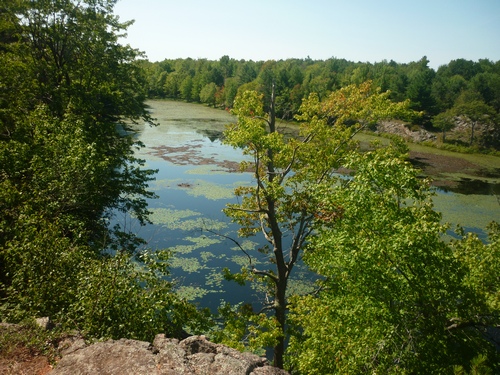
column 281, row 265
column 473, row 125
column 280, row 312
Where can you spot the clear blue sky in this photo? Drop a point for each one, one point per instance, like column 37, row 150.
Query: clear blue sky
column 357, row 30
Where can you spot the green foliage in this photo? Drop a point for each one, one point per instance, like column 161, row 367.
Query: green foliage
column 291, row 173
column 430, row 92
column 444, row 121
column 478, row 367
column 207, row 93
column 471, row 106
column 67, row 167
column 245, row 330
column 120, row 297
column 395, row 297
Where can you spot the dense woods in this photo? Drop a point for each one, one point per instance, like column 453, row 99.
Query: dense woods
column 394, row 294
column 67, row 168
column 443, row 96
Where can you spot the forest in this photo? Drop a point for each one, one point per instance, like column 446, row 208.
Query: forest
column 395, row 294
column 461, row 88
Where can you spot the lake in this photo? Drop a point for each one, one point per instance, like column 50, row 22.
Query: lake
column 196, row 178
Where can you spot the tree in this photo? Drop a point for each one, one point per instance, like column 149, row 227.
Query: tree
column 445, row 121
column 207, row 93
column 471, row 106
column 67, row 168
column 446, row 90
column 420, row 78
column 395, row 297
column 230, row 92
column 186, row 88
column 282, row 205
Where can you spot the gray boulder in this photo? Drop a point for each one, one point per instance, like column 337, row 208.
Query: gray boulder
column 192, row 356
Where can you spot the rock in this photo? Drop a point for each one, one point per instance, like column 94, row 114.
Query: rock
column 192, row 356
column 71, row 344
column 400, row 129
column 44, row 323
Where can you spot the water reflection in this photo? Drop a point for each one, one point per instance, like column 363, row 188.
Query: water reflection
column 471, row 186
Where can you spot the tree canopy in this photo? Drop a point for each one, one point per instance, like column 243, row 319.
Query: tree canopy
column 67, row 167
column 282, row 205
column 394, row 296
column 430, row 91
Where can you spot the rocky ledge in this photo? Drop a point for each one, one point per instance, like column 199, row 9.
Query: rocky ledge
column 192, row 356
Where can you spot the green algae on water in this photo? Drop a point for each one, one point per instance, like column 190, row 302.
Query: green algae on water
column 171, row 218
column 192, row 293
column 196, row 243
column 187, row 264
column 187, row 220
column 482, row 209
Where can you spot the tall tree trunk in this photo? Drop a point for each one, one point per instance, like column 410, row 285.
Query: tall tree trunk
column 280, row 312
column 281, row 265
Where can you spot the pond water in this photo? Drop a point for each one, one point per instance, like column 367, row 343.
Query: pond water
column 196, row 178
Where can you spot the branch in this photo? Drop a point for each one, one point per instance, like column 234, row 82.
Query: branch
column 254, row 270
column 298, row 241
column 289, row 166
column 263, row 119
column 456, row 323
column 274, row 278
column 235, row 242
column 267, row 307
column 263, row 229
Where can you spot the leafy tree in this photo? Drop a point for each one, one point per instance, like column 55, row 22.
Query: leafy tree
column 207, row 93
column 446, row 90
column 471, row 106
column 172, row 85
column 420, row 78
column 395, row 297
column 186, row 88
column 445, row 121
column 226, row 66
column 282, row 205
column 463, row 67
column 67, row 167
column 230, row 91
column 488, row 85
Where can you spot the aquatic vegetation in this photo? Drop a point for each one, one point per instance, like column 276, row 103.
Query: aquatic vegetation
column 210, row 190
column 178, row 220
column 207, row 169
column 187, row 264
column 484, row 209
column 206, row 256
column 214, row 279
column 192, row 293
column 199, row 187
column 203, row 223
column 246, row 245
column 241, row 260
column 173, row 219
column 197, row 243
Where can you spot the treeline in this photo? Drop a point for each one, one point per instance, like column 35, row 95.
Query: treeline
column 458, row 88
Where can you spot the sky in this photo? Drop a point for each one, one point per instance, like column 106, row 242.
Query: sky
column 355, row 30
